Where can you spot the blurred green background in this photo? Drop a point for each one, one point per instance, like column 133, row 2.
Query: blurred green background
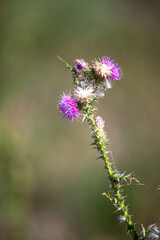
column 50, row 180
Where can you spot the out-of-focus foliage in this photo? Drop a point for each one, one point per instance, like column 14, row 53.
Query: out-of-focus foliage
column 50, row 180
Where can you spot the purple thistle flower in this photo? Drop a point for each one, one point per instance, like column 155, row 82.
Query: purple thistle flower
column 115, row 70
column 80, row 65
column 68, row 107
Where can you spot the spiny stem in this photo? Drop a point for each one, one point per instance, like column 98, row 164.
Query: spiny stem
column 116, row 198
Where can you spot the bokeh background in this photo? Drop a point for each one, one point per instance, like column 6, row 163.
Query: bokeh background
column 50, row 180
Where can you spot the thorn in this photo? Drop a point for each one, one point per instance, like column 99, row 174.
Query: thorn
column 118, row 209
column 143, row 230
column 61, row 59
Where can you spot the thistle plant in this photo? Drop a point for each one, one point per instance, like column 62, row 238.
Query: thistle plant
column 91, row 81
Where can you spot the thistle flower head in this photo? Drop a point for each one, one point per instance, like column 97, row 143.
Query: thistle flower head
column 68, row 107
column 115, row 72
column 100, row 122
column 107, row 68
column 80, row 64
column 84, row 95
column 101, row 69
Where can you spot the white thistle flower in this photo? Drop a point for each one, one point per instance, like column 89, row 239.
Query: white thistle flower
column 84, row 95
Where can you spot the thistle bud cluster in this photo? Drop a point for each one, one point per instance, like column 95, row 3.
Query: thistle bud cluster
column 90, row 83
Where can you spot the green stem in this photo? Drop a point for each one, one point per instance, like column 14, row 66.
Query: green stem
column 100, row 143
